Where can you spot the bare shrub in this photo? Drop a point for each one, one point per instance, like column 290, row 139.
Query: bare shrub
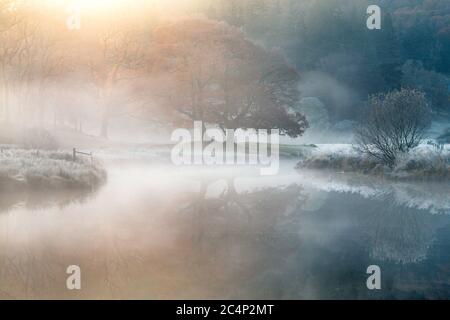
column 394, row 123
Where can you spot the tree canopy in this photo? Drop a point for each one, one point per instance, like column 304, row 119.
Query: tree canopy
column 211, row 72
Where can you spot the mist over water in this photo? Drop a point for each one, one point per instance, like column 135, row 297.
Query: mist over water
column 208, row 233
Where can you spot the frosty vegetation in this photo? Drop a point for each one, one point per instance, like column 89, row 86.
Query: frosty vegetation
column 395, row 123
column 22, row 170
column 388, row 141
column 423, row 162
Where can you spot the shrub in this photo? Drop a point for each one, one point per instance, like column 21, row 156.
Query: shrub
column 394, row 123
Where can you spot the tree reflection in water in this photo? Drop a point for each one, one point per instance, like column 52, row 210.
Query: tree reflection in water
column 229, row 238
column 399, row 233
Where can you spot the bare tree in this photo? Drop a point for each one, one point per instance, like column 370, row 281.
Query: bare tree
column 29, row 60
column 395, row 123
column 9, row 47
column 8, row 15
column 119, row 54
column 38, row 63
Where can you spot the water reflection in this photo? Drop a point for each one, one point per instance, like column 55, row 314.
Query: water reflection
column 37, row 199
column 430, row 196
column 154, row 232
column 400, row 233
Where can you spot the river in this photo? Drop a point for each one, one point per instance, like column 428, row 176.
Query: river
column 154, row 231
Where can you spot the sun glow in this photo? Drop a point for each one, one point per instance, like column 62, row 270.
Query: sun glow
column 108, row 4
column 105, row 6
column 93, row 5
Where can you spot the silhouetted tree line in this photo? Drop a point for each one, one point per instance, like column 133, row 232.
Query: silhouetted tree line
column 411, row 50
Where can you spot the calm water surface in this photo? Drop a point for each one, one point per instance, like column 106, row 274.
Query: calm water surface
column 159, row 232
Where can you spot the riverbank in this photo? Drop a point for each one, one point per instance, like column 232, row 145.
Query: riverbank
column 425, row 162
column 22, row 170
